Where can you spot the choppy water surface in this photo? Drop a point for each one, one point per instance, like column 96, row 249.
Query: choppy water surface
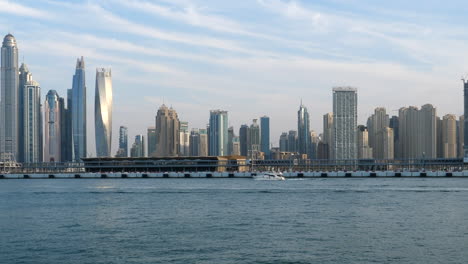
column 234, row 221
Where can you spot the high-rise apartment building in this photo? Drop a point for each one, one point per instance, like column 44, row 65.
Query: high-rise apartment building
column 231, row 136
column 25, row 77
column 138, row 147
column 78, row 111
column 377, row 126
column 327, row 139
column 345, row 123
column 103, row 112
column 32, row 123
column 393, row 124
column 151, row 138
column 292, row 141
column 244, row 139
column 449, row 136
column 122, row 152
column 235, row 146
column 167, row 132
column 465, row 123
column 461, row 133
column 364, row 150
column 283, row 142
column 265, row 135
column 218, row 133
column 184, row 135
column 428, row 132
column 53, row 127
column 9, row 84
column 303, row 130
column 194, row 142
column 203, row 146
column 254, row 147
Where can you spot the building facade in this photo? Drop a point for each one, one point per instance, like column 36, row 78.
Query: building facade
column 9, row 84
column 53, row 127
column 265, row 135
column 303, row 130
column 78, row 111
column 103, row 112
column 449, row 136
column 32, row 123
column 345, row 123
column 167, row 132
column 151, row 138
column 218, row 133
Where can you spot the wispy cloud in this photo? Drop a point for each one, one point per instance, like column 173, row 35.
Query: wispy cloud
column 14, row 8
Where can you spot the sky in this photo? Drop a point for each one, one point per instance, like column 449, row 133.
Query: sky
column 249, row 57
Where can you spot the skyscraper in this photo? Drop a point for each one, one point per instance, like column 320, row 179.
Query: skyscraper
column 203, row 146
column 235, row 146
column 32, row 123
column 231, row 136
column 408, row 132
column 25, row 76
column 218, row 134
column 303, row 130
column 428, row 132
column 184, row 134
column 328, row 136
column 461, row 133
column 78, row 111
column 244, row 140
column 292, row 141
column 103, row 112
column 465, row 123
column 123, row 142
column 254, row 147
column 9, row 132
column 345, row 123
column 394, row 124
column 378, row 123
column 449, row 136
column 138, row 147
column 151, row 138
column 194, row 142
column 167, row 132
column 283, row 142
column 53, row 133
column 364, row 150
column 265, row 135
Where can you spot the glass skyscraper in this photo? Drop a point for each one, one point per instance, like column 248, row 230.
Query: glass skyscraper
column 303, row 130
column 78, row 111
column 265, row 135
column 32, row 123
column 9, row 132
column 53, row 133
column 218, row 134
column 103, row 112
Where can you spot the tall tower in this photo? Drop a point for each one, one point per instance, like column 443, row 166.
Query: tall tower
column 184, row 139
column 122, row 152
column 244, row 139
column 53, row 133
column 218, row 133
column 25, row 76
column 78, row 111
column 103, row 112
column 9, row 132
column 328, row 135
column 254, row 147
column 345, row 123
column 32, row 123
column 449, row 136
column 167, row 132
column 265, row 135
column 465, row 121
column 303, row 130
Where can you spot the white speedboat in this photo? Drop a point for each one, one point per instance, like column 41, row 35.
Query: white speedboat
column 271, row 176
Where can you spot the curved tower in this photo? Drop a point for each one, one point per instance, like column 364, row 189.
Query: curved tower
column 9, row 95
column 78, row 111
column 103, row 112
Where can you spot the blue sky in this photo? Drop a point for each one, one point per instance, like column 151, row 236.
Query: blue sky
column 250, row 57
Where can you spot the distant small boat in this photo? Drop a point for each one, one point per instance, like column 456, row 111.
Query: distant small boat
column 269, row 176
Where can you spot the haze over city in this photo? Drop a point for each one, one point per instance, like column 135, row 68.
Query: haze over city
column 251, row 58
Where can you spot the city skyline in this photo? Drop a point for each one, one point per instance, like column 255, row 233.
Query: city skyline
column 164, row 63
